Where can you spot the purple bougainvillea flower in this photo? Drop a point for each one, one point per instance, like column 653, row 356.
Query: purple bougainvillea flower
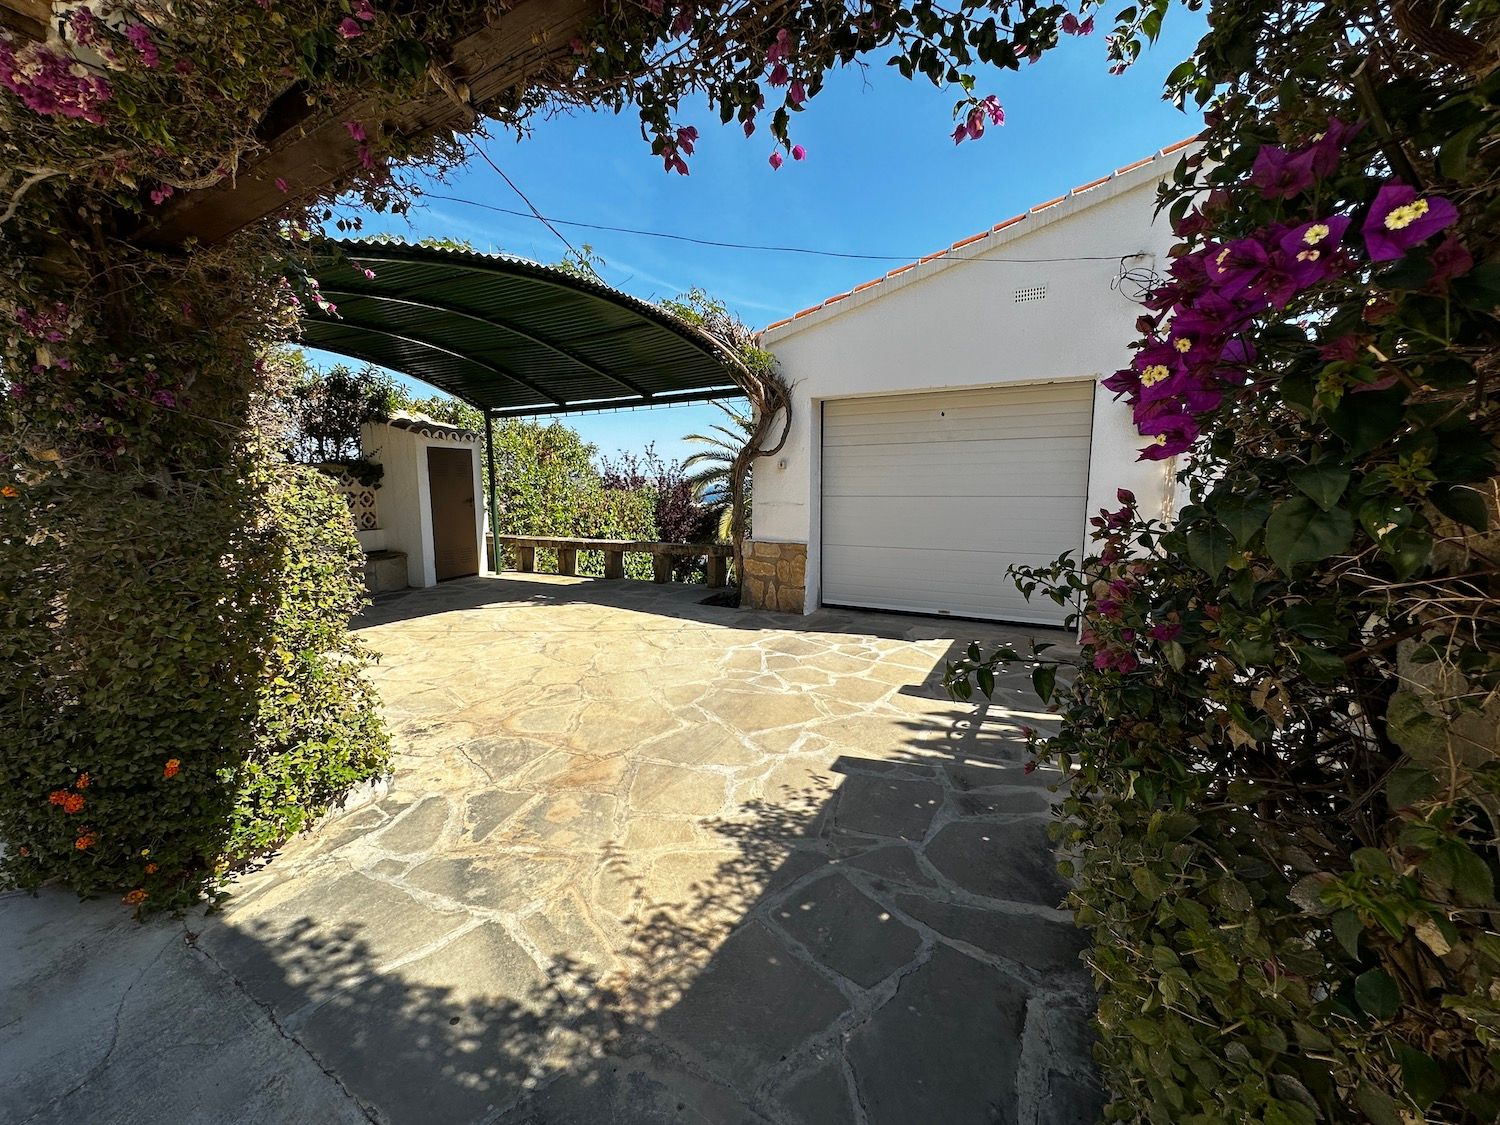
column 796, row 93
column 687, row 136
column 1166, row 632
column 363, row 10
column 1326, row 151
column 779, row 75
column 1311, row 250
column 349, row 28
column 1070, row 24
column 1281, row 174
column 140, row 38
column 1125, row 496
column 1450, row 259
column 1234, row 269
column 776, row 160
column 1400, row 218
column 355, row 130
column 799, row 153
column 1122, row 382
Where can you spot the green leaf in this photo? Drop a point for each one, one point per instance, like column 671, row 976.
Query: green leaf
column 1320, row 665
column 1472, row 878
column 1466, row 505
column 1377, row 994
column 1324, row 484
column 986, row 677
column 1406, row 785
column 1421, row 1076
column 1378, row 1106
column 1347, row 927
column 1209, row 545
column 1301, row 532
column 1366, row 420
column 1044, row 681
column 1242, row 517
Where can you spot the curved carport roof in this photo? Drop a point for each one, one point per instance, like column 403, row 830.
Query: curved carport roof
column 510, row 336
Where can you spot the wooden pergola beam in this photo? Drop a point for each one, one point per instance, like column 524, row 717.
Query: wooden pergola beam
column 27, row 18
column 309, row 154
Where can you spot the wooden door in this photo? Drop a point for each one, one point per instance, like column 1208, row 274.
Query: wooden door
column 450, row 484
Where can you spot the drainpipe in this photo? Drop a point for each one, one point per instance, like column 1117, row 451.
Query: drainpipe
column 489, row 498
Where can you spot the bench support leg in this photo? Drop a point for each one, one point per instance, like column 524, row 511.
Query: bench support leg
column 567, row 560
column 661, row 568
column 525, row 559
column 718, row 571
column 614, row 564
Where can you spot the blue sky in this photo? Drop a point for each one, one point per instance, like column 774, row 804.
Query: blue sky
column 882, row 176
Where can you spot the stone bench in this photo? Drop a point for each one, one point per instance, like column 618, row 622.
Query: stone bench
column 662, row 554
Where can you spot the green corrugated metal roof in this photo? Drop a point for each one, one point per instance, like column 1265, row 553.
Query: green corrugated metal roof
column 508, row 335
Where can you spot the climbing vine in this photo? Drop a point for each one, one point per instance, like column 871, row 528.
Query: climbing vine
column 1282, row 732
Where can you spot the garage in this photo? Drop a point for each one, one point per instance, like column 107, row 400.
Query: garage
column 950, row 419
column 928, row 498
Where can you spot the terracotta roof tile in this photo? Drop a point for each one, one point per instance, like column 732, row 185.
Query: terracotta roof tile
column 973, row 238
column 930, row 257
column 901, row 269
column 834, row 299
column 1180, row 145
column 805, row 312
column 775, row 324
column 1132, row 167
column 1049, row 203
column 866, row 285
column 1010, row 222
column 1092, row 184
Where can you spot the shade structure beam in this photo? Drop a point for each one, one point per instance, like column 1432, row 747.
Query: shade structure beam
column 499, row 323
column 423, row 342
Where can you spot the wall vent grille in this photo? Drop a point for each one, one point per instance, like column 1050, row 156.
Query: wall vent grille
column 1031, row 293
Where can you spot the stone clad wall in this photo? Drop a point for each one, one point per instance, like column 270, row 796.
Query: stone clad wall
column 775, row 576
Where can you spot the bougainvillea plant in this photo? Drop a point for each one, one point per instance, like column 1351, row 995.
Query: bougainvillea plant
column 1282, row 730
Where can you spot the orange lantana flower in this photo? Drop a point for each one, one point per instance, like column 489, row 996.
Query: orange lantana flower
column 82, row 782
column 135, row 897
column 84, row 842
column 171, row 768
column 70, row 802
column 150, row 869
column 9, row 492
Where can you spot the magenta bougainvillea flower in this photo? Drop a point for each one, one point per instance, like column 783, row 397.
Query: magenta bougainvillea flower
column 1400, row 218
column 349, row 28
column 1281, row 174
column 972, row 126
column 140, row 38
column 47, row 84
column 364, row 11
column 776, row 160
column 1311, row 250
column 1450, row 259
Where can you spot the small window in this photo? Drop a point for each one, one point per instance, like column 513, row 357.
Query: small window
column 1031, row 293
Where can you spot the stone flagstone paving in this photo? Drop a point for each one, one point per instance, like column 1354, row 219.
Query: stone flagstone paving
column 644, row 860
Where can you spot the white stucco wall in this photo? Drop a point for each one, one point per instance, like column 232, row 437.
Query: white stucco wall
column 954, row 322
column 406, row 500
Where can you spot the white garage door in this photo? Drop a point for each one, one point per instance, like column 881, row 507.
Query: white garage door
column 927, row 498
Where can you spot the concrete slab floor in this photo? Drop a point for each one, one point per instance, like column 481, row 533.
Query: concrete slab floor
column 642, row 860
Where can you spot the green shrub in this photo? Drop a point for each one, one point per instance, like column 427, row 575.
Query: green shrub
column 177, row 684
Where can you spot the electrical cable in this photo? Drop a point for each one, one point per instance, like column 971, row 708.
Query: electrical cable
column 553, row 223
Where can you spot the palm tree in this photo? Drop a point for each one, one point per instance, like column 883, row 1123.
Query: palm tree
column 709, row 468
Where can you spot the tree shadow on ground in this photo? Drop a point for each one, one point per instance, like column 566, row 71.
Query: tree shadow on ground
column 889, row 954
